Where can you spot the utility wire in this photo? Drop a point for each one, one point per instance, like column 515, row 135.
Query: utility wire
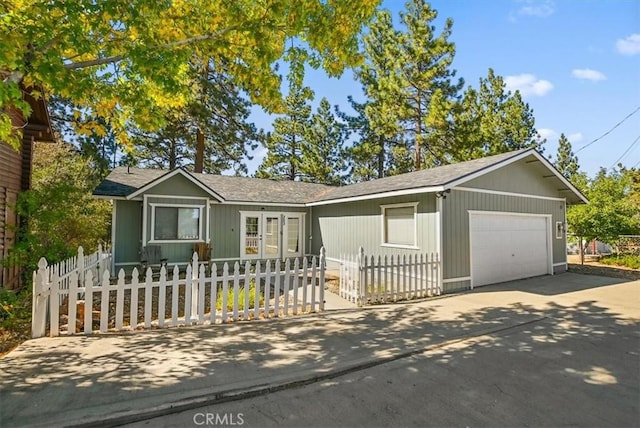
column 609, row 131
column 625, row 152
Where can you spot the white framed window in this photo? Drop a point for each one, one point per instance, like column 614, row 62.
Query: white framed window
column 176, row 223
column 399, row 225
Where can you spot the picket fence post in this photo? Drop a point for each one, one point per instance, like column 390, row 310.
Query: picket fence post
column 88, row 303
column 100, row 262
column 73, row 298
column 194, row 284
column 104, row 303
column 322, row 269
column 39, row 304
column 362, row 276
column 80, row 264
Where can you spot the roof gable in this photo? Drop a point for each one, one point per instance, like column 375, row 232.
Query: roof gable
column 545, row 168
column 155, row 182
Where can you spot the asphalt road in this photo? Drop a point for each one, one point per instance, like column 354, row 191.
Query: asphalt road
column 575, row 365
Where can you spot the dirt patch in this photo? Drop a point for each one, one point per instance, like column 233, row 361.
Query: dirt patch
column 11, row 338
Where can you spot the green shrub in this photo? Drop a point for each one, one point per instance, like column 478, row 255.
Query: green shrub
column 15, row 319
column 15, row 308
column 628, row 260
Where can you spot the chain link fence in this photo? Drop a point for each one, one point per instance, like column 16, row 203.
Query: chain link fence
column 625, row 244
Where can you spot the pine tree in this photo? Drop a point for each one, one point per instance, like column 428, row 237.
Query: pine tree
column 323, row 157
column 377, row 120
column 219, row 114
column 369, row 157
column 566, row 161
column 428, row 93
column 492, row 120
column 285, row 144
column 407, row 78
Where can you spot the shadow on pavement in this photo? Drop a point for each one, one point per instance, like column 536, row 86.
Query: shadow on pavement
column 548, row 285
column 69, row 379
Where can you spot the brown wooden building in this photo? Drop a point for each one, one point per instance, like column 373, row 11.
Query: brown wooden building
column 15, row 176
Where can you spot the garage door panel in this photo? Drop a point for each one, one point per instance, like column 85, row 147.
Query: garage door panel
column 507, row 247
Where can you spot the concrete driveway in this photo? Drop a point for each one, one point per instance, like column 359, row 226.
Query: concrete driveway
column 545, row 351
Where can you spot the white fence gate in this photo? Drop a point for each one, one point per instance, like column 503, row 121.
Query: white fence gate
column 192, row 297
column 381, row 279
column 95, row 263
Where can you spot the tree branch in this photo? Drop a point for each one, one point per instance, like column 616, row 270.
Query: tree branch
column 118, row 58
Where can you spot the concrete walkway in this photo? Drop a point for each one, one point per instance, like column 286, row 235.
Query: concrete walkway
column 113, row 379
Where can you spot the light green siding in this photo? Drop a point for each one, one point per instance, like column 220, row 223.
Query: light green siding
column 519, row 177
column 343, row 228
column 128, row 231
column 455, row 286
column 456, row 209
column 225, row 227
column 177, row 185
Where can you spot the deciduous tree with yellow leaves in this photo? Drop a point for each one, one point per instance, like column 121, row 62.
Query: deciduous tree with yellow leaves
column 127, row 61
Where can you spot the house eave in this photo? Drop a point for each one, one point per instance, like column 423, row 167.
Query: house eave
column 109, row 197
column 261, row 203
column 403, row 192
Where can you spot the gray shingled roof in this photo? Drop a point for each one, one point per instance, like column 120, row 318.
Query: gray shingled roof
column 124, row 181
column 439, row 176
column 245, row 189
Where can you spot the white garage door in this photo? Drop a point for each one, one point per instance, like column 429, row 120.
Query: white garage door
column 505, row 247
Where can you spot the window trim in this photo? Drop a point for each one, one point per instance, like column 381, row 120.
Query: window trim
column 383, row 239
column 201, row 211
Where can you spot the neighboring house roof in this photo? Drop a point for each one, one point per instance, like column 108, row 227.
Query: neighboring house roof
column 124, row 183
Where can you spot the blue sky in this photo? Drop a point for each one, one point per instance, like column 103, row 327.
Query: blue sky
column 576, row 62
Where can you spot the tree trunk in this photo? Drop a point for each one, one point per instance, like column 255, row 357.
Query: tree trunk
column 381, row 159
column 581, row 250
column 418, row 136
column 173, row 156
column 199, row 164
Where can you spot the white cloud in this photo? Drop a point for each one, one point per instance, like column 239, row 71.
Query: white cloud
column 535, row 8
column 576, row 137
column 547, row 133
column 528, row 84
column 540, row 9
column 629, row 46
column 588, row 74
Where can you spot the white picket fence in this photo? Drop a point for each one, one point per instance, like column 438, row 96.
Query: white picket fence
column 95, row 263
column 382, row 279
column 187, row 298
